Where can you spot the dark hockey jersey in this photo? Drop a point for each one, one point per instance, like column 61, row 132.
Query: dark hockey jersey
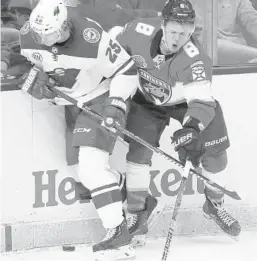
column 167, row 80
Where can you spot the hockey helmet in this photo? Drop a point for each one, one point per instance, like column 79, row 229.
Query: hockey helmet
column 180, row 11
column 48, row 19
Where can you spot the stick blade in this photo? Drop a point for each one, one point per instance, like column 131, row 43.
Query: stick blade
column 233, row 195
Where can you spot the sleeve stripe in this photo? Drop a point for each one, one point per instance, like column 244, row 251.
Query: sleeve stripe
column 125, row 67
column 106, row 199
column 102, row 191
column 198, row 91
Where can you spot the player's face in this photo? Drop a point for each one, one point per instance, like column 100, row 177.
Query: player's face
column 45, row 39
column 176, row 35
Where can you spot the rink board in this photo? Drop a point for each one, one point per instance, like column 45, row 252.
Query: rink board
column 39, row 204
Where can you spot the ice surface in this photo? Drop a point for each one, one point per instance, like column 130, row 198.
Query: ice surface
column 199, row 248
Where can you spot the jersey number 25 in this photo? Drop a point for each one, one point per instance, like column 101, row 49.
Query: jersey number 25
column 113, row 50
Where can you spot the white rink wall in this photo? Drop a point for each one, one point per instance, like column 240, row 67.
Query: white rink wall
column 39, row 205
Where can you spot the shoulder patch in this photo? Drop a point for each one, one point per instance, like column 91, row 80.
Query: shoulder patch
column 91, row 35
column 145, row 29
column 198, row 71
column 25, row 28
column 190, row 49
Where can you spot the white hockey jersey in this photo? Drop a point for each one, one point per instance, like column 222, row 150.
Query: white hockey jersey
column 80, row 64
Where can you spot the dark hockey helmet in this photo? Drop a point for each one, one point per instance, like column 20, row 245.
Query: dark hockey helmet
column 180, row 11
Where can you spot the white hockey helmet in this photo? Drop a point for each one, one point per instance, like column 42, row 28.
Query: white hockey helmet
column 47, row 21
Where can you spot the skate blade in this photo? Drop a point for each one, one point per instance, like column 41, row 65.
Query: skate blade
column 210, row 218
column 138, row 241
column 121, row 253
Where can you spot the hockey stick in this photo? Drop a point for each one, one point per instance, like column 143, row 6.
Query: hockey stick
column 175, row 212
column 96, row 115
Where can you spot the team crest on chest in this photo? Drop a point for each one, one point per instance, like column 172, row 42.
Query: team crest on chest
column 157, row 91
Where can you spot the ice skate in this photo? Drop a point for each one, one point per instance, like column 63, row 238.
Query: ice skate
column 115, row 245
column 140, row 222
column 215, row 210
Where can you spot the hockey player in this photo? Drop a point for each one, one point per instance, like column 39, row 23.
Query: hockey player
column 75, row 54
column 174, row 82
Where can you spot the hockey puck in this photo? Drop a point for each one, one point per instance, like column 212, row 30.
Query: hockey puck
column 68, row 248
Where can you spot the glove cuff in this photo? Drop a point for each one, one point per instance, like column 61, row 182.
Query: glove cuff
column 116, row 102
column 193, row 123
column 31, row 77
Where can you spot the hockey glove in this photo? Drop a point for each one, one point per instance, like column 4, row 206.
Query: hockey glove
column 35, row 83
column 186, row 144
column 114, row 112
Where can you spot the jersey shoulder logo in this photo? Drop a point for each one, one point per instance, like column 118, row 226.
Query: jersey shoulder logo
column 25, row 28
column 91, row 35
column 190, row 49
column 198, row 71
column 145, row 29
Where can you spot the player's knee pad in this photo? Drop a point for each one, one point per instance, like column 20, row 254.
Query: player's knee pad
column 94, row 170
column 215, row 163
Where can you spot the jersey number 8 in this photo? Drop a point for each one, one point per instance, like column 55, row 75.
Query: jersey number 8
column 113, row 50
